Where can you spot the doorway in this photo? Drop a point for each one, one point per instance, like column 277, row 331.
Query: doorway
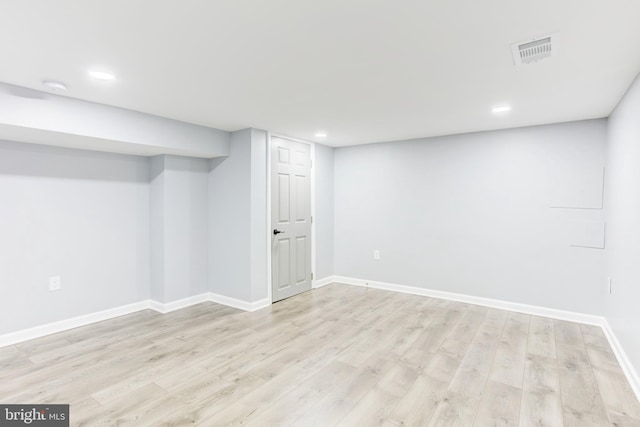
column 291, row 235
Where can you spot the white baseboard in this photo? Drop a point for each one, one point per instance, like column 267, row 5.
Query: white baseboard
column 628, row 369
column 87, row 319
column 156, row 306
column 177, row 305
column 239, row 304
column 323, row 282
column 209, row 297
column 553, row 313
column 74, row 322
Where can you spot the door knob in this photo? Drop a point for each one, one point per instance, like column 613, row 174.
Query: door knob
column 276, row 231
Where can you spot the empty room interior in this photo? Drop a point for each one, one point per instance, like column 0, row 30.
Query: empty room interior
column 320, row 213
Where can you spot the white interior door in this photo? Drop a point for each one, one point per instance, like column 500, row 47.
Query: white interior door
column 290, row 217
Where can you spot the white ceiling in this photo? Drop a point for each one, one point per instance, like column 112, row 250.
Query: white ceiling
column 361, row 70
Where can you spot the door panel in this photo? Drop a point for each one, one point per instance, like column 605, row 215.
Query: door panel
column 301, row 259
column 284, row 249
column 284, row 200
column 301, row 158
column 301, row 199
column 291, row 217
column 283, row 155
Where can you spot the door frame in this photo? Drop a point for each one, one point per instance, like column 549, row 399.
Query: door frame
column 313, row 211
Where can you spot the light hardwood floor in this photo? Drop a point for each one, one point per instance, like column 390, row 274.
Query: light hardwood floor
column 339, row 355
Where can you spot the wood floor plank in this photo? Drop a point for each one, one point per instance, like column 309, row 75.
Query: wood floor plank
column 45, row 386
column 442, row 366
column 419, row 403
column 254, row 402
column 455, row 410
column 604, row 360
column 541, row 404
column 617, row 393
column 334, row 406
column 581, row 400
column 508, row 363
column 500, row 406
column 11, row 358
column 130, row 408
column 594, row 337
column 82, row 410
column 435, row 334
column 199, row 402
column 372, row 410
column 398, row 380
column 568, row 333
column 295, row 403
column 542, row 339
column 454, row 348
column 621, row 420
column 469, row 323
column 473, row 372
column 42, row 345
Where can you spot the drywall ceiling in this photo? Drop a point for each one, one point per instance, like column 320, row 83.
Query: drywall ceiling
column 360, row 70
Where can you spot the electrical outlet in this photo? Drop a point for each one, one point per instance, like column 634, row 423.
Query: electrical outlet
column 54, row 283
column 609, row 285
column 376, row 254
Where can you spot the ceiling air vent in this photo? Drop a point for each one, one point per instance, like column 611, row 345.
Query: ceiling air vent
column 533, row 50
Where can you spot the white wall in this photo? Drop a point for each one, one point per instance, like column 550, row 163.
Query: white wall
column 622, row 205
column 324, row 215
column 179, row 227
column 78, row 214
column 186, row 236
column 229, row 211
column 258, row 217
column 32, row 116
column 237, row 219
column 471, row 214
column 156, row 224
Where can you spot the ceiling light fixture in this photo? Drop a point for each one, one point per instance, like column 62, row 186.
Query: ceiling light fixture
column 102, row 75
column 501, row 109
column 54, row 85
column 321, row 135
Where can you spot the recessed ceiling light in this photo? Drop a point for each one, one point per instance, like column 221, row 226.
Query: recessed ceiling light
column 102, row 75
column 53, row 85
column 500, row 109
column 321, row 135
